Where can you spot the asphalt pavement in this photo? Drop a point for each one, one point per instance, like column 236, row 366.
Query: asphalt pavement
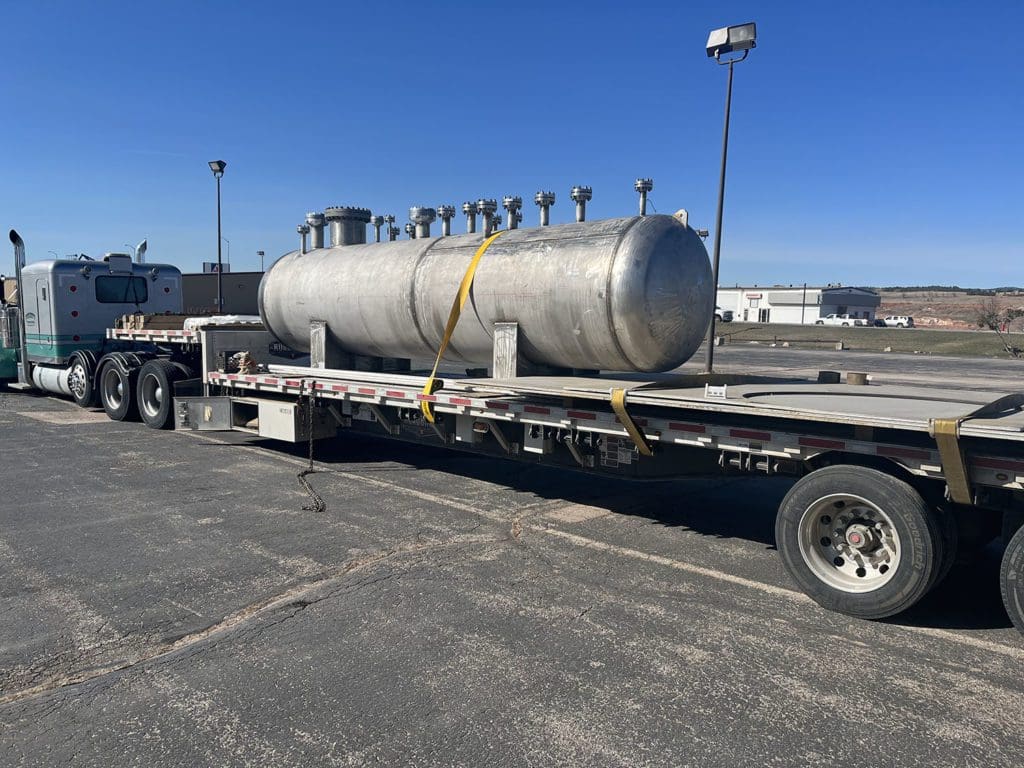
column 168, row 601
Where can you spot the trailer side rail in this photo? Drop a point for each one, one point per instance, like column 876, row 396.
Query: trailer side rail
column 784, row 442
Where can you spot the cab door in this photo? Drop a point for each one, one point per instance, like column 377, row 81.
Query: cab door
column 40, row 339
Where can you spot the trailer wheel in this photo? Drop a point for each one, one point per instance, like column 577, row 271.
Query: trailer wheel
column 859, row 541
column 1011, row 579
column 81, row 381
column 117, row 392
column 155, row 392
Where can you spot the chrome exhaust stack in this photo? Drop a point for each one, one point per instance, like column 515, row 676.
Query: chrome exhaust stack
column 24, row 370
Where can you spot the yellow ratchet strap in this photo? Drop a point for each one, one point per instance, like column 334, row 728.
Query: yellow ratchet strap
column 453, row 320
column 619, row 406
column 947, row 438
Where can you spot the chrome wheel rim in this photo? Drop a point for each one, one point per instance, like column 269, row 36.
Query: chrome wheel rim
column 151, row 395
column 77, row 380
column 849, row 543
column 113, row 389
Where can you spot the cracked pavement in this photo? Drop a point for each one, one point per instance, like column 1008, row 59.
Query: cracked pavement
column 166, row 601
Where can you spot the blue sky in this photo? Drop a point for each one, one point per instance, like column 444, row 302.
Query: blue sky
column 872, row 143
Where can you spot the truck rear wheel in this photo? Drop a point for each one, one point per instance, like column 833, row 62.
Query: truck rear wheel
column 155, row 392
column 1011, row 579
column 117, row 392
column 859, row 541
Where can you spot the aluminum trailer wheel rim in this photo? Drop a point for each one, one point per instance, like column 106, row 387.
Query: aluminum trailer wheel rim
column 849, row 543
column 151, row 395
column 113, row 389
column 77, row 380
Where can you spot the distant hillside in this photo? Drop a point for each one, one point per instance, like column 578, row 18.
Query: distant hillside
column 944, row 306
column 950, row 289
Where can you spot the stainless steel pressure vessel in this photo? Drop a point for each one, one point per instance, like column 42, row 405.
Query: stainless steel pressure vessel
column 630, row 294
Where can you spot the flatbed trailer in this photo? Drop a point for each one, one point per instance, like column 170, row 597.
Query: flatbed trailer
column 894, row 482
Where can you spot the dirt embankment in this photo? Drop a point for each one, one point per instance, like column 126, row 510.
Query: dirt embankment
column 956, row 310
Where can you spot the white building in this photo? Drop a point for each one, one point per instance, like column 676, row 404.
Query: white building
column 800, row 304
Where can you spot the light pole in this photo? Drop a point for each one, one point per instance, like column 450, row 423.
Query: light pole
column 261, row 254
column 218, row 166
column 735, row 39
column 129, row 245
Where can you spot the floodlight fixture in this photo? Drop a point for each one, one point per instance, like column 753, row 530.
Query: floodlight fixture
column 218, row 166
column 739, row 37
column 735, row 39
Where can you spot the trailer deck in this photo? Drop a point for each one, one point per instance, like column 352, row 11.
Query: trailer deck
column 795, row 420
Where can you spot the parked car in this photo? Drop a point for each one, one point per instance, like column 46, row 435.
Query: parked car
column 899, row 321
column 835, row 319
column 723, row 315
column 878, row 322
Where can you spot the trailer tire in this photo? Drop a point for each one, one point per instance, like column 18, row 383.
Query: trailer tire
column 1011, row 579
column 859, row 541
column 154, row 392
column 117, row 392
column 82, row 380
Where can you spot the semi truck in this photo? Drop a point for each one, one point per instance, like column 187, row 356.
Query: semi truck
column 569, row 334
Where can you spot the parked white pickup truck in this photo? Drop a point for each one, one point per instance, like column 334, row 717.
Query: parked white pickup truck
column 834, row 319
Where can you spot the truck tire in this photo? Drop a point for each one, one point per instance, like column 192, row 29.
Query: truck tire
column 819, row 322
column 1011, row 579
column 859, row 541
column 117, row 392
column 82, row 380
column 154, row 392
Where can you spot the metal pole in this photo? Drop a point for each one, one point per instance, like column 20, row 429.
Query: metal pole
column 710, row 362
column 803, row 304
column 220, row 279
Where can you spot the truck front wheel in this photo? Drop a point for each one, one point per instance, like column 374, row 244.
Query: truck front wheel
column 859, row 541
column 81, row 378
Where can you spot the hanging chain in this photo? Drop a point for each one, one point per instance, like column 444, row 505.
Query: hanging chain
column 318, row 504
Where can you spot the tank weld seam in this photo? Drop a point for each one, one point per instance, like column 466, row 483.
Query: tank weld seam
column 608, row 293
column 413, row 308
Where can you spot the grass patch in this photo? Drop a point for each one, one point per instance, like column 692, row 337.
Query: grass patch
column 923, row 341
